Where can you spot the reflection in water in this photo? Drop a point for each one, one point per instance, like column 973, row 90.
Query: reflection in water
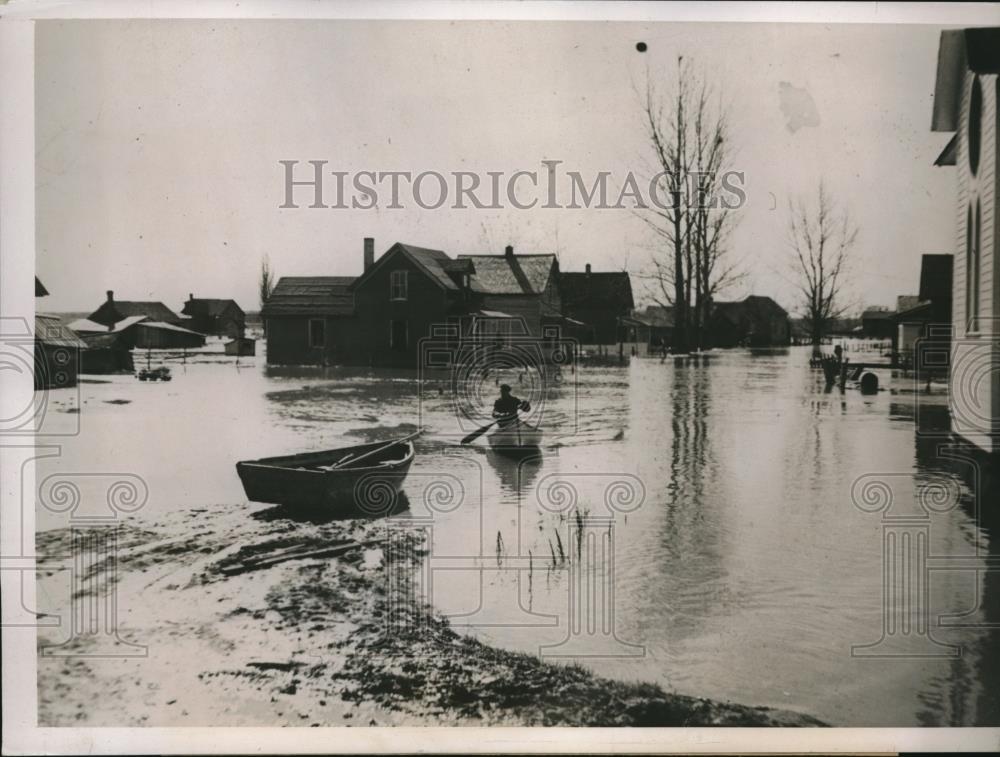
column 517, row 471
column 747, row 574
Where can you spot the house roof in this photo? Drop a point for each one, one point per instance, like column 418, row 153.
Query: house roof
column 432, row 262
column 156, row 311
column 210, row 307
column 656, row 316
column 40, row 290
column 598, row 290
column 906, row 301
column 876, row 314
column 311, row 295
column 161, row 326
column 949, row 155
column 958, row 49
column 87, row 326
column 935, row 277
column 510, row 274
column 50, row 330
column 752, row 305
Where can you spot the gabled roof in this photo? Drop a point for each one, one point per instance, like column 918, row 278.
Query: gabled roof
column 752, row 305
column 40, row 290
column 431, row 262
column 510, row 274
column 975, row 49
column 906, row 301
column 611, row 290
column 209, row 307
column 311, row 295
column 155, row 311
column 935, row 277
column 87, row 326
column 49, row 330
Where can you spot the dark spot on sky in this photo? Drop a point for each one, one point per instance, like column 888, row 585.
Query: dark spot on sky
column 641, row 47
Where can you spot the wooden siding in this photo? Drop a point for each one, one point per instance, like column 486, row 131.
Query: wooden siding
column 975, row 404
column 426, row 305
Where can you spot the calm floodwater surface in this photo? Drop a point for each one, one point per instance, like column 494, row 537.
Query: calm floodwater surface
column 746, row 573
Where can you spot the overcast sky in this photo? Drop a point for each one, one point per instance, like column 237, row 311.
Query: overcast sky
column 157, row 143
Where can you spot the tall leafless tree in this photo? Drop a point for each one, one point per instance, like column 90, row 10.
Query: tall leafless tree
column 266, row 282
column 822, row 236
column 689, row 135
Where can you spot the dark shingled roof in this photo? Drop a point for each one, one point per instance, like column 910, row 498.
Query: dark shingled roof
column 155, row 311
column 906, row 301
column 514, row 274
column 311, row 295
column 935, row 277
column 210, row 307
column 596, row 290
column 875, row 314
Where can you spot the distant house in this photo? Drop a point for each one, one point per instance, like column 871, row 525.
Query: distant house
column 215, row 317
column 756, row 321
column 522, row 289
column 308, row 321
column 601, row 301
column 923, row 322
column 411, row 293
column 653, row 326
column 57, row 353
column 965, row 104
column 877, row 323
column 112, row 311
column 405, row 293
column 137, row 332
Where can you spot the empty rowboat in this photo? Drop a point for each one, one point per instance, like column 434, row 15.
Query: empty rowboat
column 345, row 480
column 517, row 437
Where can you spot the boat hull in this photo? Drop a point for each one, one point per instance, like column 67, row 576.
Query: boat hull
column 300, row 481
column 516, row 438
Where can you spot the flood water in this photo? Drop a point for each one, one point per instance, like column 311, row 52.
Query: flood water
column 743, row 567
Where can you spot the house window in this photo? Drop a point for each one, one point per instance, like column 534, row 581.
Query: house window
column 974, row 127
column 397, row 285
column 973, row 226
column 317, row 332
column 397, row 336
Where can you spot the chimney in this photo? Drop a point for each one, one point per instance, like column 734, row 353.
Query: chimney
column 369, row 252
column 588, row 269
column 191, row 296
column 509, row 251
column 111, row 296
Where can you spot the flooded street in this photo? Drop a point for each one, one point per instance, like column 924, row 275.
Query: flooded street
column 744, row 569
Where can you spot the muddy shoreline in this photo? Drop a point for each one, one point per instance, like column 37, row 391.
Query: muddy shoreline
column 313, row 633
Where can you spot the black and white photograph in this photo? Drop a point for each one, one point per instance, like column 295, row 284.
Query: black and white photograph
column 413, row 370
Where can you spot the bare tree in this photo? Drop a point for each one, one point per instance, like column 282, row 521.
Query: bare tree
column 266, row 283
column 821, row 236
column 689, row 136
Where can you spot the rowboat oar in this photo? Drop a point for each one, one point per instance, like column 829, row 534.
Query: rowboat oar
column 478, row 432
column 353, row 460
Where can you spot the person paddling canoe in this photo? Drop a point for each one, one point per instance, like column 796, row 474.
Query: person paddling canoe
column 505, row 409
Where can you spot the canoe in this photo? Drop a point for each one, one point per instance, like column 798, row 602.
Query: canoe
column 310, row 481
column 516, row 437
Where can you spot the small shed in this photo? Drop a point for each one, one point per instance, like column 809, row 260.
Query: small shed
column 57, row 353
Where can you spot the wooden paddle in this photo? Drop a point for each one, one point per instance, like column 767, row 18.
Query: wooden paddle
column 479, row 432
column 353, row 460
